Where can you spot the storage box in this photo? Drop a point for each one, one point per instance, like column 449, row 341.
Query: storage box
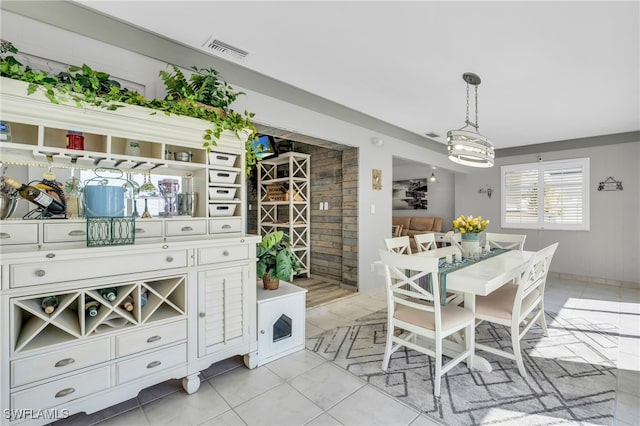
column 219, row 210
column 222, row 176
column 220, row 159
column 221, row 193
column 274, row 193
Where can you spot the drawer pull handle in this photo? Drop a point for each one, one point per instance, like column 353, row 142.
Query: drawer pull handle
column 140, row 231
column 225, row 253
column 262, row 331
column 77, row 233
column 153, row 339
column 40, row 272
column 50, row 255
column 169, row 259
column 222, row 157
column 226, row 226
column 65, row 362
column 65, row 392
column 153, row 364
column 223, row 174
column 202, row 315
column 4, row 235
column 186, row 228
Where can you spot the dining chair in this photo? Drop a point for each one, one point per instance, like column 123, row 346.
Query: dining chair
column 425, row 242
column 519, row 304
column 418, row 314
column 506, row 241
column 400, row 245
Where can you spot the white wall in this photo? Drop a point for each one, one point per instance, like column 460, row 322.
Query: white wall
column 610, row 250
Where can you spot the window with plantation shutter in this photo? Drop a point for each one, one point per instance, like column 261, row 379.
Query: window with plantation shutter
column 546, row 195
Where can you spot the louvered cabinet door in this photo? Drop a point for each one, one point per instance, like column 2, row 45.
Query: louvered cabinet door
column 221, row 316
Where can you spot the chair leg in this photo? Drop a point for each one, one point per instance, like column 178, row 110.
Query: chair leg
column 543, row 320
column 515, row 342
column 438, row 372
column 387, row 348
column 470, row 343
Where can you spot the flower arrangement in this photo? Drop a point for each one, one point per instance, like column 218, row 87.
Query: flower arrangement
column 470, row 224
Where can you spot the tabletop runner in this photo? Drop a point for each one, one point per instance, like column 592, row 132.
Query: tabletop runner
column 445, row 268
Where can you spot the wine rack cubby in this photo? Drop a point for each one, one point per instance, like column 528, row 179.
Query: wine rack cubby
column 33, row 329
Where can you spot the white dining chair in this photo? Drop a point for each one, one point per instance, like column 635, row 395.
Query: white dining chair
column 506, row 241
column 418, row 314
column 519, row 304
column 400, row 245
column 425, row 242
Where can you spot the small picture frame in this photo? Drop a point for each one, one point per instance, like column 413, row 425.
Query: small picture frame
column 376, row 179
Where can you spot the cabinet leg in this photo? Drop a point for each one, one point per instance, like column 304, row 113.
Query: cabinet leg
column 251, row 360
column 191, row 383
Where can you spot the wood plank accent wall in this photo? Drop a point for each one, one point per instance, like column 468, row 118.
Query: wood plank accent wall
column 334, row 232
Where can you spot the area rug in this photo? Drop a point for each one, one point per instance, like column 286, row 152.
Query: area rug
column 571, row 374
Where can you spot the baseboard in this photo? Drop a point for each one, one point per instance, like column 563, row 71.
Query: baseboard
column 595, row 280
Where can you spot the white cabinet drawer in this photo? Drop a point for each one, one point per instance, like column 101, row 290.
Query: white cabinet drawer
column 18, row 233
column 185, row 227
column 146, row 229
column 150, row 363
column 38, row 367
column 222, row 254
column 220, row 226
column 65, row 232
column 150, row 338
column 45, row 271
column 62, row 391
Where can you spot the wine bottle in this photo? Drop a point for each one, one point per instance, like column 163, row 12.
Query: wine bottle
column 49, row 304
column 127, row 303
column 143, row 298
column 109, row 294
column 91, row 307
column 36, row 196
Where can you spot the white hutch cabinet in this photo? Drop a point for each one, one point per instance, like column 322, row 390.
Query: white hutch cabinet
column 191, row 279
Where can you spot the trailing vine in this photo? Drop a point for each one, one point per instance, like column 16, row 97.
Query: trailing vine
column 205, row 95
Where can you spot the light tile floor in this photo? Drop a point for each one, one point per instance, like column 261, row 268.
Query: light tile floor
column 304, row 389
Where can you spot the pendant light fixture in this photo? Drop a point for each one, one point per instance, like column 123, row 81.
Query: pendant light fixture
column 467, row 147
column 433, row 178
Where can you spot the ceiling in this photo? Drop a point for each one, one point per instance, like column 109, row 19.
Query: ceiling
column 551, row 71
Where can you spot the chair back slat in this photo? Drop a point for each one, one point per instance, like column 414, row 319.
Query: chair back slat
column 506, row 241
column 535, row 275
column 400, row 245
column 425, row 242
column 403, row 275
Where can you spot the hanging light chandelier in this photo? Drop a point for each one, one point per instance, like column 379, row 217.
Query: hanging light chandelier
column 467, row 147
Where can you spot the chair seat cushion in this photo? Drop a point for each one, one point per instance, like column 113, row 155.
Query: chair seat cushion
column 453, row 317
column 499, row 304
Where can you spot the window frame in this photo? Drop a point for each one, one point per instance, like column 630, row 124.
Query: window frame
column 540, row 168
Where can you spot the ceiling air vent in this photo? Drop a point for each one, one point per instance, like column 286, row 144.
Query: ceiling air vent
column 222, row 48
column 432, row 135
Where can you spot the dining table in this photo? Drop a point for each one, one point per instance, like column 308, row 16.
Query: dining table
column 480, row 278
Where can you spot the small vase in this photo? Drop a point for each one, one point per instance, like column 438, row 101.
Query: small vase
column 270, row 284
column 471, row 245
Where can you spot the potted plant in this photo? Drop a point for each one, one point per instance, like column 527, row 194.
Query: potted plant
column 276, row 260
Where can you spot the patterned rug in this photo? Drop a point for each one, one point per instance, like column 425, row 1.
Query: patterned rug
column 571, row 373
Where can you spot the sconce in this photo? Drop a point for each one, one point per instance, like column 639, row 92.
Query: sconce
column 486, row 190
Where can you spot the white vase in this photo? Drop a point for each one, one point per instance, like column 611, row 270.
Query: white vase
column 470, row 246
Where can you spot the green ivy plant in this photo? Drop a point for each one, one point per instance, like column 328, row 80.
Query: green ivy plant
column 204, row 96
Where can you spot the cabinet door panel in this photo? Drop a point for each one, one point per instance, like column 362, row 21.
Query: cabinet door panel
column 221, row 314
